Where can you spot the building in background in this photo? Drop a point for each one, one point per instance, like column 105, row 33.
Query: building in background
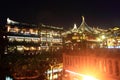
column 50, row 37
column 92, row 37
column 22, row 38
column 32, row 39
column 91, row 53
column 88, row 52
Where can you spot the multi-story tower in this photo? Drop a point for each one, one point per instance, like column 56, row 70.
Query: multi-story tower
column 50, row 37
column 32, row 39
column 22, row 38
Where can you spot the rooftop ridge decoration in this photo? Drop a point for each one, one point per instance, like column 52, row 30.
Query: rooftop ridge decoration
column 9, row 21
column 84, row 27
column 47, row 26
column 12, row 22
column 74, row 28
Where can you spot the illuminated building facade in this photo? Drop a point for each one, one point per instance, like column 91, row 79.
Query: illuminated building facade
column 94, row 37
column 76, row 37
column 32, row 39
column 22, row 38
column 50, row 37
column 102, row 64
column 91, row 53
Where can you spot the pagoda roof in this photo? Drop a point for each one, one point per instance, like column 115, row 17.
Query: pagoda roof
column 75, row 29
column 84, row 27
column 19, row 24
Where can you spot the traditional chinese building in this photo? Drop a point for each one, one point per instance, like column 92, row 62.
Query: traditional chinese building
column 50, row 37
column 22, row 38
column 76, row 37
column 91, row 54
column 32, row 39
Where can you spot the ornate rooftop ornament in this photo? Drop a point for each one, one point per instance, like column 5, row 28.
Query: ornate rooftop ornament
column 84, row 27
column 11, row 21
column 74, row 28
column 83, row 19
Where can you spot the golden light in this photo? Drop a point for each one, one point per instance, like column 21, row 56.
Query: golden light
column 98, row 39
column 89, row 78
column 19, row 48
column 16, row 29
column 103, row 36
column 36, row 32
column 39, row 48
column 84, row 76
column 115, row 28
column 75, row 37
column 26, row 48
column 31, row 30
column 32, row 48
column 8, row 28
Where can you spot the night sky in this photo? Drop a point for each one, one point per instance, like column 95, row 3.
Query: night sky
column 62, row 13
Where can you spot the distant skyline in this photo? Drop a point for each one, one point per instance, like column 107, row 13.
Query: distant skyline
column 61, row 13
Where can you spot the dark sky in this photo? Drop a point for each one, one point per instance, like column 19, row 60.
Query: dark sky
column 62, row 13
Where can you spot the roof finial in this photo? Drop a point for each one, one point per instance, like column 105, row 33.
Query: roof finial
column 75, row 27
column 8, row 21
column 83, row 19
